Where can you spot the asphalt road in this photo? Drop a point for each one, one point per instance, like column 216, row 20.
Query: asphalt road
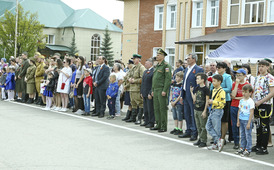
column 34, row 139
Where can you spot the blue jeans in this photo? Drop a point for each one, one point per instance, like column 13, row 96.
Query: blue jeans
column 213, row 124
column 111, row 106
column 177, row 112
column 87, row 103
column 117, row 103
column 246, row 139
column 189, row 117
column 235, row 129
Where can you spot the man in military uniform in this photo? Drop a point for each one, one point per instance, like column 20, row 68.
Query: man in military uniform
column 21, row 77
column 135, row 86
column 39, row 75
column 160, row 85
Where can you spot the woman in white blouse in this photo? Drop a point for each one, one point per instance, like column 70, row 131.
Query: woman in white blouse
column 63, row 85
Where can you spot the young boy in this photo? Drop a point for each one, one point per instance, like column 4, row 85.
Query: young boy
column 87, row 91
column 237, row 95
column 200, row 98
column 213, row 125
column 263, row 94
column 111, row 93
column 10, row 83
column 177, row 107
column 244, row 121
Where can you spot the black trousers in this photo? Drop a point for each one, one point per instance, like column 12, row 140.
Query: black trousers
column 148, row 111
column 262, row 119
column 100, row 100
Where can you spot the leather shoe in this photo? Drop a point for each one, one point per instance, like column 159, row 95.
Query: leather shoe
column 144, row 124
column 95, row 114
column 197, row 143
column 154, row 128
column 100, row 116
column 138, row 122
column 161, row 130
column 184, row 136
column 193, row 138
column 149, row 126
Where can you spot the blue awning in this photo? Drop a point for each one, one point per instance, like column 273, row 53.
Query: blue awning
column 246, row 47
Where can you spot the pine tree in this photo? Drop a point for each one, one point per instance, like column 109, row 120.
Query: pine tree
column 105, row 49
column 73, row 47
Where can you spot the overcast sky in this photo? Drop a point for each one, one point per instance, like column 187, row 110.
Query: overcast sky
column 109, row 9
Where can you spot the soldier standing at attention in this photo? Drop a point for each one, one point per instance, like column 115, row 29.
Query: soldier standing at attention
column 160, row 85
column 135, row 87
column 39, row 75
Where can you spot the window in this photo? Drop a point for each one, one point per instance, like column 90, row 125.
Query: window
column 50, row 39
column 234, row 9
column 271, row 11
column 158, row 19
column 171, row 56
column 199, row 50
column 212, row 47
column 95, row 46
column 171, row 16
column 212, row 13
column 253, row 11
column 197, row 14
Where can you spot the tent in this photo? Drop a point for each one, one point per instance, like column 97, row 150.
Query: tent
column 245, row 49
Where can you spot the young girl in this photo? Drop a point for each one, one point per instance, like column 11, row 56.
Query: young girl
column 10, row 83
column 48, row 92
column 2, row 83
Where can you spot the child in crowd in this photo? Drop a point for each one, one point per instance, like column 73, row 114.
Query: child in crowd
column 177, row 107
column 263, row 94
column 200, row 97
column 49, row 88
column 244, row 121
column 87, row 91
column 111, row 93
column 236, row 96
column 10, row 83
column 2, row 83
column 213, row 125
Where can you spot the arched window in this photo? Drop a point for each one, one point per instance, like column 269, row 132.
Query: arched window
column 95, row 46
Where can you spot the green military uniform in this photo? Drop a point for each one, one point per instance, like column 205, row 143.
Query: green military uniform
column 30, row 79
column 160, row 83
column 135, row 87
column 22, row 74
column 39, row 75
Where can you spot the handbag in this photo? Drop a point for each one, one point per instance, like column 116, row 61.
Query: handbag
column 42, row 87
column 71, row 94
column 63, row 84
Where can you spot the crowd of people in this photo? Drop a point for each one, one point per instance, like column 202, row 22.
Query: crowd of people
column 216, row 100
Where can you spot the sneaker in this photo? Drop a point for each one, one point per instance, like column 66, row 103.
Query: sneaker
column 221, row 143
column 117, row 114
column 178, row 132
column 245, row 153
column 79, row 112
column 53, row 107
column 262, row 151
column 57, row 108
column 46, row 108
column 239, row 151
column 111, row 117
column 63, row 110
column 173, row 131
column 213, row 147
column 254, row 149
column 236, row 146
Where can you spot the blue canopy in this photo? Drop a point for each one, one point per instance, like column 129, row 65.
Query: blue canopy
column 243, row 47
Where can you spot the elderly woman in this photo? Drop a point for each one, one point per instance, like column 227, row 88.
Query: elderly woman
column 30, row 80
column 63, row 85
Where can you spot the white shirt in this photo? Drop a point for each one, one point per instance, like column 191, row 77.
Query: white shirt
column 188, row 71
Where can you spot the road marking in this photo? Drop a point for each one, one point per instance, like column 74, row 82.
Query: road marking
column 150, row 134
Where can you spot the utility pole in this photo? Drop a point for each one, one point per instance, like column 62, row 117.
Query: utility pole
column 16, row 23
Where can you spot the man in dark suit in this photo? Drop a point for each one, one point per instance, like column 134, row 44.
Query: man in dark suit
column 146, row 94
column 101, row 82
column 190, row 80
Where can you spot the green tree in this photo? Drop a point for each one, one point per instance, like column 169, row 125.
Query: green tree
column 105, row 49
column 73, row 47
column 30, row 35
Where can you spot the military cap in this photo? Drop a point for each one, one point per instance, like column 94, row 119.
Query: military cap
column 136, row 56
column 161, row 51
column 268, row 60
column 41, row 56
column 37, row 53
column 25, row 53
column 130, row 62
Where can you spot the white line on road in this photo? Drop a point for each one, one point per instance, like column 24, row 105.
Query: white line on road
column 150, row 134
